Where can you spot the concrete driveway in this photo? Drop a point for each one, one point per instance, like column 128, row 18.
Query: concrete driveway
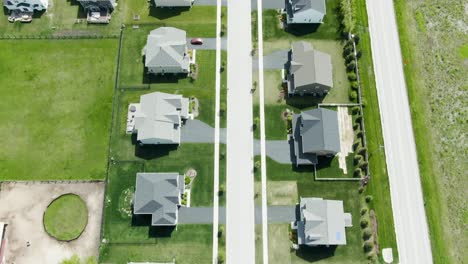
column 204, row 215
column 22, row 206
column 267, row 4
column 208, row 44
column 273, row 61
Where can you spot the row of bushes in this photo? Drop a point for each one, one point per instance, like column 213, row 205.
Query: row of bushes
column 367, row 231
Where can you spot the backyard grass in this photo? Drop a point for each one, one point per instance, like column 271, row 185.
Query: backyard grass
column 66, row 217
column 278, row 240
column 329, row 167
column 131, row 238
column 378, row 186
column 434, row 54
column 56, row 108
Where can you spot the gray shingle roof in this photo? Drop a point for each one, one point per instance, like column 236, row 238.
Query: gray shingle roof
column 318, row 130
column 310, row 66
column 159, row 116
column 158, row 194
column 304, row 5
column 96, row 4
column 322, row 222
column 166, row 47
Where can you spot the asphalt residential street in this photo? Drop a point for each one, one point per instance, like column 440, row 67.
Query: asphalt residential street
column 240, row 216
column 405, row 186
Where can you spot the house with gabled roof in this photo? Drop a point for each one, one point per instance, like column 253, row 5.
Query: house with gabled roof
column 305, row 11
column 159, row 195
column 310, row 71
column 158, row 118
column 166, row 51
column 28, row 6
column 321, row 222
column 315, row 133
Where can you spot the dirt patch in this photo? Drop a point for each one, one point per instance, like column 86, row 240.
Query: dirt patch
column 346, row 136
column 22, row 206
column 282, row 193
column 374, row 231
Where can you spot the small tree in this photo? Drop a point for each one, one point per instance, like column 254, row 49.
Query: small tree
column 222, row 108
column 353, row 95
column 357, row 159
column 221, row 189
column 366, row 234
column 356, row 39
column 187, row 180
column 364, row 223
column 220, row 231
column 368, row 246
column 356, row 144
column 351, row 66
column 221, row 258
column 357, row 172
column 368, row 198
column 362, row 151
column 355, row 110
column 347, row 50
column 257, row 165
column 364, row 211
column 363, row 165
column 352, row 76
column 358, row 54
column 354, row 85
column 256, row 122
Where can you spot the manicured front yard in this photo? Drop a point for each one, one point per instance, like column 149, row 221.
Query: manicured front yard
column 56, row 108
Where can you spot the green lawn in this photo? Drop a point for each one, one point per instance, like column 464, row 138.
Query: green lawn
column 133, row 239
column 378, row 186
column 66, row 217
column 56, row 108
column 278, row 240
column 329, row 167
column 435, row 73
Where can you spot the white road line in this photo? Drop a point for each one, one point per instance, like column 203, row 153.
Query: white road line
column 400, row 149
column 240, row 217
column 262, row 134
column 216, row 135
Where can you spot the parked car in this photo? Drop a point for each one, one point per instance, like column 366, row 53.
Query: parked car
column 196, row 41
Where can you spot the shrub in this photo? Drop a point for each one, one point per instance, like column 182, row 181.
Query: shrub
column 371, row 256
column 356, row 39
column 360, row 189
column 368, row 198
column 358, row 54
column 358, row 119
column 355, row 86
column 368, row 246
column 347, row 51
column 364, row 211
column 362, row 151
column 363, row 165
column 353, row 95
column 257, row 165
column 351, row 66
column 222, row 108
column 187, row 180
column 221, row 189
column 364, row 223
column 220, row 258
column 357, row 159
column 366, row 234
column 356, row 144
column 357, row 172
column 355, row 110
column 220, row 231
column 352, row 76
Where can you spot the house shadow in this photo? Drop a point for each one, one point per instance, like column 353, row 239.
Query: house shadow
column 81, row 13
column 38, row 14
column 149, row 152
column 324, row 162
column 303, row 101
column 312, row 254
column 165, row 13
column 301, row 29
column 153, row 231
column 149, row 78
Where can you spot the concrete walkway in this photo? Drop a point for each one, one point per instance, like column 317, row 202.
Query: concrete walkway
column 267, row 4
column 208, row 44
column 204, row 215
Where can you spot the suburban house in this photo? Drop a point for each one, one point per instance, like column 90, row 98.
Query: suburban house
column 173, row 3
column 166, row 51
column 305, row 11
column 321, row 222
column 98, row 11
column 309, row 71
column 159, row 194
column 27, row 6
column 315, row 133
column 158, row 117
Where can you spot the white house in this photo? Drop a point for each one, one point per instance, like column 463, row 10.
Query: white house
column 26, row 5
column 305, row 11
column 173, row 3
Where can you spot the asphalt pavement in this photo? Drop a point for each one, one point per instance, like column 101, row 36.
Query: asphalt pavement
column 240, row 216
column 208, row 44
column 402, row 164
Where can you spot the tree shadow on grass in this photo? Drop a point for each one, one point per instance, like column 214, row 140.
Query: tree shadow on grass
column 312, row 254
column 165, row 13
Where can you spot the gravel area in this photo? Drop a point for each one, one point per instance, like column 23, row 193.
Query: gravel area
column 22, row 206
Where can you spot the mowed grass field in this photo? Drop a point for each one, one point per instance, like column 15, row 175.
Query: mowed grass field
column 434, row 45
column 56, row 108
